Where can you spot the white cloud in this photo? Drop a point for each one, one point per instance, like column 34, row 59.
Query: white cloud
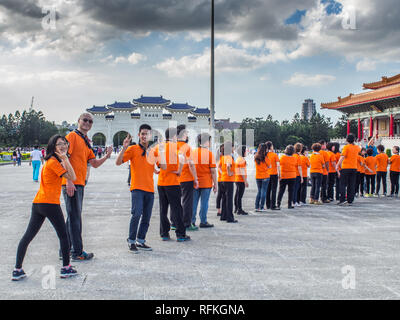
column 134, row 58
column 308, row 80
column 366, row 65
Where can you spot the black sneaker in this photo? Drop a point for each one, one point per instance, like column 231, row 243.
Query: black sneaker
column 232, row 221
column 68, row 272
column 183, row 238
column 206, row 225
column 133, row 248
column 243, row 213
column 290, row 207
column 218, row 214
column 276, row 208
column 143, row 246
column 18, row 275
column 84, row 256
column 165, row 237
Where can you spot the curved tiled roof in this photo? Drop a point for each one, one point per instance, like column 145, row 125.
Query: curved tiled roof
column 121, row 105
column 98, row 109
column 151, row 100
column 180, row 107
column 383, row 83
column 201, row 111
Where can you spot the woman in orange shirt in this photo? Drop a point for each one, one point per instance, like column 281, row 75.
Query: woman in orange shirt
column 220, row 192
column 361, row 173
column 273, row 177
column 263, row 164
column 370, row 174
column 394, row 172
column 305, row 164
column 47, row 205
column 332, row 169
column 382, row 161
column 299, row 175
column 337, row 182
column 228, row 180
column 288, row 170
column 240, row 179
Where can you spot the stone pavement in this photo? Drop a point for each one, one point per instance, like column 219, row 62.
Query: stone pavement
column 305, row 253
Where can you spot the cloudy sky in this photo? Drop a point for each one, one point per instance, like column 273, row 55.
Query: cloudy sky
column 270, row 54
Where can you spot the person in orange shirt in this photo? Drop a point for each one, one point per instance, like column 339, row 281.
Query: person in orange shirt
column 361, row 173
column 169, row 189
column 337, row 182
column 220, row 192
column 317, row 164
column 188, row 178
column 227, row 164
column 47, row 205
column 382, row 161
column 240, row 179
column 324, row 182
column 81, row 154
column 289, row 166
column 142, row 161
column 273, row 177
column 348, row 174
column 332, row 169
column 299, row 175
column 370, row 174
column 305, row 164
column 207, row 177
column 394, row 172
column 262, row 164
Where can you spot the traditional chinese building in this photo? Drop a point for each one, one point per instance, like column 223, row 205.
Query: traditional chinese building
column 376, row 111
column 158, row 112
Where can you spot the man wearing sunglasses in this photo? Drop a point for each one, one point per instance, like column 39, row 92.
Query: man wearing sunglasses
column 81, row 153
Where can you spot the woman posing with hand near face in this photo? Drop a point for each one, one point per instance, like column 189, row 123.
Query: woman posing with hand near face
column 47, row 205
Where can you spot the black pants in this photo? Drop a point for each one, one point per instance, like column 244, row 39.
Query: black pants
column 271, row 191
column 360, row 183
column 370, row 183
column 187, row 189
column 324, row 187
column 331, row 184
column 220, row 194
column 316, row 179
column 240, row 187
column 381, row 176
column 282, row 187
column 73, row 206
column 303, row 190
column 41, row 211
column 337, row 187
column 171, row 196
column 348, row 179
column 227, row 202
column 394, row 181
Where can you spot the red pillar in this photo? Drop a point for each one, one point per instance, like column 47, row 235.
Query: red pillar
column 391, row 126
column 359, row 129
column 377, row 128
column 371, row 127
column 348, row 127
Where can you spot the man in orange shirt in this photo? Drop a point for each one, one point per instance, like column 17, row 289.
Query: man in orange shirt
column 317, row 163
column 382, row 161
column 188, row 178
column 81, row 153
column 348, row 174
column 142, row 162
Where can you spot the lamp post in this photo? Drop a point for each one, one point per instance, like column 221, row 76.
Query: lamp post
column 212, row 97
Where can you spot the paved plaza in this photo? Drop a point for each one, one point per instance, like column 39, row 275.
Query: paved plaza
column 312, row 252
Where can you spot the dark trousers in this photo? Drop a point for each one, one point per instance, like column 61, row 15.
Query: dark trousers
column 370, row 182
column 316, row 179
column 381, row 176
column 227, row 202
column 282, row 187
column 360, row 183
column 348, row 179
column 187, row 189
column 331, row 184
column 394, row 181
column 296, row 192
column 337, row 187
column 271, row 191
column 324, row 187
column 220, row 194
column 142, row 207
column 240, row 187
column 73, row 206
column 41, row 211
column 170, row 196
column 303, row 190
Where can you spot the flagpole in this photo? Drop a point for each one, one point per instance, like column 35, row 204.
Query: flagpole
column 212, row 89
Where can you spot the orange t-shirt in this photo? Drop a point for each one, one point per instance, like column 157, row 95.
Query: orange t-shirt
column 370, row 162
column 296, row 155
column 350, row 153
column 305, row 164
column 240, row 169
column 262, row 170
column 186, row 151
column 168, row 177
column 204, row 161
column 80, row 155
column 332, row 159
column 382, row 161
column 360, row 163
column 50, row 182
column 337, row 156
column 289, row 167
column 273, row 157
column 142, row 168
column 225, row 161
column 326, row 157
column 395, row 163
column 317, row 161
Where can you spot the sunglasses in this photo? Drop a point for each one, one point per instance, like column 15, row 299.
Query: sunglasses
column 87, row 120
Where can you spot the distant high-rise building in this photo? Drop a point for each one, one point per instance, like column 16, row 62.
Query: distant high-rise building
column 308, row 109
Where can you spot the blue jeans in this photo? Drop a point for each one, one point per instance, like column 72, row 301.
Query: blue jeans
column 36, row 169
column 202, row 194
column 142, row 206
column 262, row 185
